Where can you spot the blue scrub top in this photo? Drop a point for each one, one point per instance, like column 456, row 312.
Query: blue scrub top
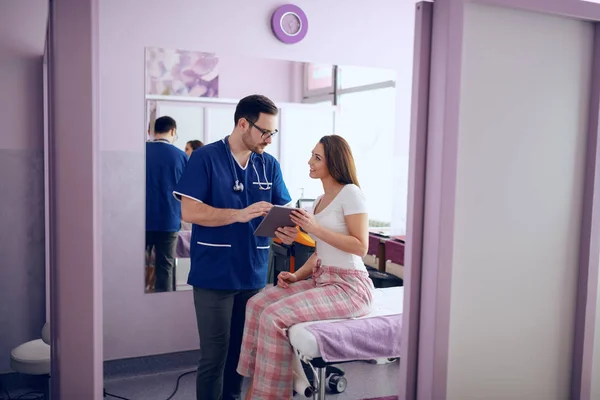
column 165, row 164
column 230, row 257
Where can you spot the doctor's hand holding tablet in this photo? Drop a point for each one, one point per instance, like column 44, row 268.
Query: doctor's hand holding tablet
column 301, row 219
column 287, row 234
column 278, row 223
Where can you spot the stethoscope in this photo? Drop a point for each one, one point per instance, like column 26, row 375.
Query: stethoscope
column 239, row 186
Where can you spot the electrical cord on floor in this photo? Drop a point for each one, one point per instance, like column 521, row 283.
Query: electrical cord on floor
column 38, row 396
column 5, row 391
column 168, row 398
column 114, row 396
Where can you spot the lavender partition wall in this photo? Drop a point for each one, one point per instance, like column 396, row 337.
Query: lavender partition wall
column 73, row 150
column 416, row 200
column 440, row 193
column 586, row 314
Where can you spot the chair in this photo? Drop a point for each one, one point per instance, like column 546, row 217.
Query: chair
column 33, row 358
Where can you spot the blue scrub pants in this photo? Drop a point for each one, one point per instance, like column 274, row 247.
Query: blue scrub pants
column 220, row 315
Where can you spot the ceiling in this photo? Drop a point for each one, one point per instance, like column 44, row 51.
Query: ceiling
column 23, row 27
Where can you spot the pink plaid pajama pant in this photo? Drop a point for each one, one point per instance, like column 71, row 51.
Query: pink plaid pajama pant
column 266, row 352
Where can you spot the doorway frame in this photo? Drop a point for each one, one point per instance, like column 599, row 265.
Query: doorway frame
column 411, row 329
column 440, row 132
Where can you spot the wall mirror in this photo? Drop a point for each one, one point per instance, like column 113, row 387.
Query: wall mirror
column 200, row 90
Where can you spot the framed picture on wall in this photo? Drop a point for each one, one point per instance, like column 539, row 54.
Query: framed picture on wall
column 171, row 72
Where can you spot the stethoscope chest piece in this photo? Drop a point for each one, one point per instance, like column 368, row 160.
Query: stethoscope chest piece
column 238, row 187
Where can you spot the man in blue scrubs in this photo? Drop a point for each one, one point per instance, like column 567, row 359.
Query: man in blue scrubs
column 227, row 186
column 164, row 166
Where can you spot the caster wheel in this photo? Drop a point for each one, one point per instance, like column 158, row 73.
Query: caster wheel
column 337, row 383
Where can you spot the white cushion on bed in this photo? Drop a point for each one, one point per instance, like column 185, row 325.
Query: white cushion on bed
column 388, row 301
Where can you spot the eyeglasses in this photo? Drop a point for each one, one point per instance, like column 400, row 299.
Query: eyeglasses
column 263, row 131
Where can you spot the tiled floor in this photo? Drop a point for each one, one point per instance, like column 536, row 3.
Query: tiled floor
column 364, row 381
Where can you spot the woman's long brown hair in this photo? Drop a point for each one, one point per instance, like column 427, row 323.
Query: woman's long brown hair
column 340, row 161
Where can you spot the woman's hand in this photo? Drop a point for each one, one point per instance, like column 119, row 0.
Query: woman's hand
column 286, row 234
column 304, row 220
column 285, row 278
column 316, row 265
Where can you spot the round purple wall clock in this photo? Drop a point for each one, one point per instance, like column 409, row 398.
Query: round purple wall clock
column 289, row 24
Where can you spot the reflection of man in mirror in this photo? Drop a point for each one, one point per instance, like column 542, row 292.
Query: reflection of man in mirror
column 227, row 186
column 149, row 133
column 192, row 145
column 164, row 166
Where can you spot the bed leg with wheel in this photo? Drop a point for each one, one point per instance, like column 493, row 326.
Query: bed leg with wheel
column 322, row 382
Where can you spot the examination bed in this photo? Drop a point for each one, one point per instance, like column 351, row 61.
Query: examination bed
column 321, row 344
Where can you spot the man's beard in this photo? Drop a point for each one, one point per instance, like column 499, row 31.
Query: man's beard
column 247, row 140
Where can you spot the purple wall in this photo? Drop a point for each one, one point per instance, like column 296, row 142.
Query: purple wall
column 75, row 209
column 22, row 289
column 281, row 80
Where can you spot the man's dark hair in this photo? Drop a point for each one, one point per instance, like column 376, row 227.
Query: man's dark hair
column 195, row 144
column 250, row 108
column 164, row 125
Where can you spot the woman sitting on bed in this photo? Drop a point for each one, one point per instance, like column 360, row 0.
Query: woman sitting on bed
column 340, row 285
